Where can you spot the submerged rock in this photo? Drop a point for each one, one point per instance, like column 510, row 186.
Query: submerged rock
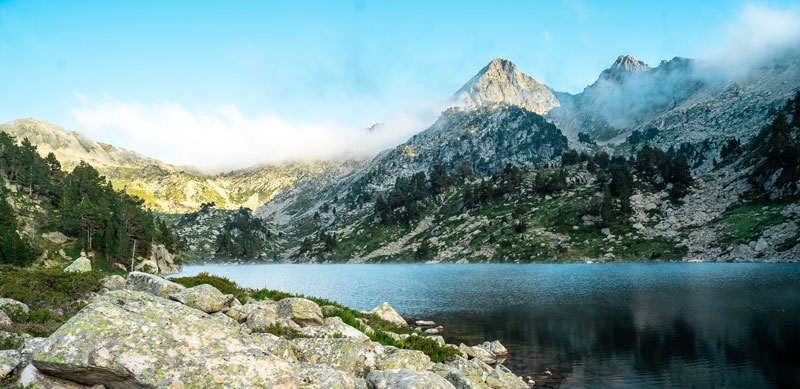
column 80, row 265
column 155, row 285
column 386, row 312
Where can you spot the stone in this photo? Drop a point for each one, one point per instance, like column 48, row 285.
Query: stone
column 164, row 260
column 403, row 359
column 472, row 368
column 354, row 357
column 55, row 237
column 146, row 265
column 15, row 310
column 406, row 379
column 30, row 377
column 650, row 206
column 301, row 311
column 463, row 381
column 225, row 319
column 130, row 339
column 262, row 317
column 386, row 312
column 155, row 285
column 484, row 355
column 113, row 282
column 203, row 297
column 9, row 360
column 80, row 265
column 277, row 345
column 240, row 312
column 761, row 245
column 4, row 319
column 605, row 231
column 334, row 326
column 438, row 339
column 425, row 323
column 431, row 331
column 502, row 379
column 466, row 351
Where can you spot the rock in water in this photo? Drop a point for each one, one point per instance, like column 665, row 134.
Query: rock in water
column 80, row 265
column 203, row 297
column 154, row 285
column 301, row 311
column 129, row 339
column 406, row 379
column 386, row 312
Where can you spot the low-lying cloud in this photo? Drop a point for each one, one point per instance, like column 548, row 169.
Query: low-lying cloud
column 225, row 138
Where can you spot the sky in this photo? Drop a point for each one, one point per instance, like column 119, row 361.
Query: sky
column 228, row 84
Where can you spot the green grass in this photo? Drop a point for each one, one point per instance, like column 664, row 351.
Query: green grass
column 223, row 284
column 744, row 222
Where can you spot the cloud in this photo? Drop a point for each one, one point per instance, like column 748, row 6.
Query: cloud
column 224, row 138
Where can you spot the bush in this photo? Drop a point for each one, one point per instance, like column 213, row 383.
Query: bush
column 224, row 285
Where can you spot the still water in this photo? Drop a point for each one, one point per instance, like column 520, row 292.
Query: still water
column 611, row 325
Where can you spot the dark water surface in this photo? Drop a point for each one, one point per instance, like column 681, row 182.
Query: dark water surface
column 622, row 325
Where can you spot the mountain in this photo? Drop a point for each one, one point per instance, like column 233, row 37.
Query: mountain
column 164, row 187
column 501, row 82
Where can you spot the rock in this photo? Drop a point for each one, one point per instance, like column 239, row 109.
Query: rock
column 424, row 323
column 503, row 379
column 438, row 338
column 263, row 317
column 30, row 346
column 466, row 351
column 9, row 360
column 80, row 265
column 498, row 349
column 484, row 355
column 386, row 312
column 279, row 346
column 462, row 381
column 146, row 265
column 406, row 379
column 155, row 285
column 403, row 359
column 431, row 331
column 33, row 378
column 15, row 310
column 301, row 311
column 650, row 206
column 203, row 297
column 354, row 357
column 472, row 368
column 164, row 260
column 55, row 237
column 334, row 326
column 328, row 309
column 130, row 339
column 240, row 312
column 605, row 231
column 761, row 245
column 225, row 319
column 4, row 319
column 462, row 261
column 113, row 282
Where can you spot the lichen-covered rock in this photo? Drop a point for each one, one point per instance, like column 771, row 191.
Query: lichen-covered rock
column 386, row 312
column 490, row 352
column 484, row 355
column 240, row 312
column 224, row 319
column 471, row 368
column 16, row 311
column 333, row 326
column 351, row 356
column 403, row 359
column 203, row 297
column 503, row 379
column 463, row 381
column 4, row 319
column 129, row 339
column 9, row 360
column 263, row 316
column 466, row 351
column 80, row 265
column 155, row 285
column 29, row 347
column 113, row 282
column 164, row 260
column 279, row 346
column 55, row 237
column 301, row 311
column 406, row 379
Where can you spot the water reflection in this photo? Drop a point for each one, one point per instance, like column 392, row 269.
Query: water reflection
column 622, row 325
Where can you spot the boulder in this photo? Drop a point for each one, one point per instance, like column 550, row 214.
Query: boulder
column 406, row 379
column 33, row 378
column 4, row 319
column 240, row 312
column 277, row 345
column 301, row 311
column 80, row 265
column 395, row 358
column 155, row 285
column 130, row 339
column 55, row 237
column 203, row 297
column 16, row 311
column 425, row 323
column 503, row 379
column 164, row 260
column 113, row 282
column 354, row 357
column 466, row 351
column 386, row 312
column 484, row 355
column 9, row 360
column 146, row 265
column 334, row 326
column 264, row 317
column 490, row 352
column 438, row 339
column 472, row 368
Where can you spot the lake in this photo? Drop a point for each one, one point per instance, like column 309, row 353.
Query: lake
column 593, row 325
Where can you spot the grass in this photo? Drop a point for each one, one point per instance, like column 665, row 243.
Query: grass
column 747, row 220
column 223, row 284
column 52, row 295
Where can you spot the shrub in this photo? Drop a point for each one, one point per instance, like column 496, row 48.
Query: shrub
column 224, row 285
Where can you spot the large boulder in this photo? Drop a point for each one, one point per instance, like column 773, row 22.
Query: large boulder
column 129, row 339
column 30, row 377
column 490, row 352
column 80, row 265
column 203, row 297
column 155, row 285
column 16, row 311
column 164, row 260
column 301, row 311
column 501, row 378
column 354, row 357
column 333, row 327
column 277, row 345
column 4, row 319
column 395, row 358
column 386, row 312
column 406, row 379
column 113, row 282
column 55, row 237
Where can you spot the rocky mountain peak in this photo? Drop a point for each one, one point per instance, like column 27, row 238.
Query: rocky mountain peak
column 625, row 64
column 501, row 82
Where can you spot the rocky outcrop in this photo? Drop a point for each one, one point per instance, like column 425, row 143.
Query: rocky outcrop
column 155, row 285
column 386, row 312
column 80, row 265
column 203, row 297
column 406, row 379
column 164, row 260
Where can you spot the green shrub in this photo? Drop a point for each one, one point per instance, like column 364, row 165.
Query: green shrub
column 224, row 285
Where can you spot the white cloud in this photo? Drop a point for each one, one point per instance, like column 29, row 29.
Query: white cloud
column 224, row 138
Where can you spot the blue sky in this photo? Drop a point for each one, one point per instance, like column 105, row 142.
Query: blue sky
column 297, row 66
